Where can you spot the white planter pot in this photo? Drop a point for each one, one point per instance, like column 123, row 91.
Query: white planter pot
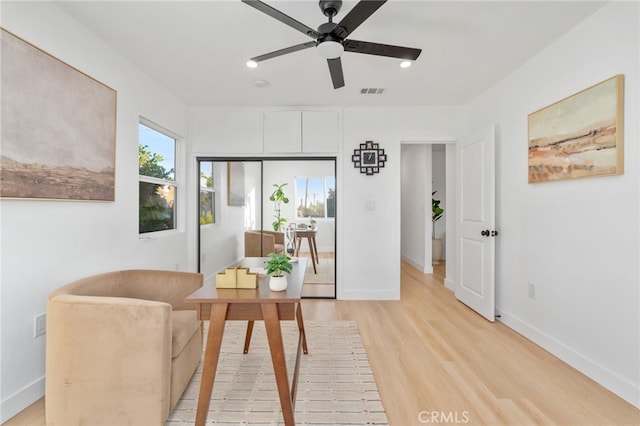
column 278, row 283
column 436, row 251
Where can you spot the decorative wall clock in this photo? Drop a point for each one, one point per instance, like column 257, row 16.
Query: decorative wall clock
column 369, row 158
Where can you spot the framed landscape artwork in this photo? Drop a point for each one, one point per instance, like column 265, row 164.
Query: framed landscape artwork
column 235, row 183
column 579, row 136
column 58, row 128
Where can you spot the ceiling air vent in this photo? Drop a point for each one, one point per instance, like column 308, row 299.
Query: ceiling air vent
column 371, row 91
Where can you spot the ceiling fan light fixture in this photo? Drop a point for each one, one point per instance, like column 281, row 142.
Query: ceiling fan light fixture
column 405, row 64
column 252, row 64
column 330, row 49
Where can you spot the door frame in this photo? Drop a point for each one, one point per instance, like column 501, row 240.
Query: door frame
column 450, row 206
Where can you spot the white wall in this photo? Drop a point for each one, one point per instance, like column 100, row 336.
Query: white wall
column 576, row 241
column 372, row 237
column 46, row 244
column 415, row 216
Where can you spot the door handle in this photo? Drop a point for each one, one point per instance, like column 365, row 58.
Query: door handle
column 485, row 233
column 494, row 233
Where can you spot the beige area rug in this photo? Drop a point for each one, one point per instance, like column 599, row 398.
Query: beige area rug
column 336, row 384
column 326, row 271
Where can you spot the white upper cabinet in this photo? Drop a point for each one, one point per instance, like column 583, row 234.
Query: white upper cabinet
column 313, row 132
column 282, row 132
column 237, row 132
column 320, row 131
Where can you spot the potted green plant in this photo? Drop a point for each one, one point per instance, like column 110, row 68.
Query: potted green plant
column 278, row 197
column 436, row 243
column 277, row 266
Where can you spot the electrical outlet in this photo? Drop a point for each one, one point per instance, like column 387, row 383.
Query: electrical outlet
column 39, row 325
column 532, row 290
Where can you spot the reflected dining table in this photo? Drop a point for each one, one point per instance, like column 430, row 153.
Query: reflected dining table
column 218, row 305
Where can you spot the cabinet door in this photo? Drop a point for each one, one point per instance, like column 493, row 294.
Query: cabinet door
column 282, row 132
column 228, row 132
column 320, row 131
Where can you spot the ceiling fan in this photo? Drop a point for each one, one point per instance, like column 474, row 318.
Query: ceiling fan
column 330, row 40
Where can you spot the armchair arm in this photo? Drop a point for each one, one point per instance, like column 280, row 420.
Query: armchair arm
column 108, row 359
column 279, row 237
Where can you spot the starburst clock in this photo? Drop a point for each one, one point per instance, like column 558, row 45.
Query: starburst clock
column 369, row 158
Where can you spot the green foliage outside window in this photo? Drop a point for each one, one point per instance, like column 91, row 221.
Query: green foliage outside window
column 156, row 201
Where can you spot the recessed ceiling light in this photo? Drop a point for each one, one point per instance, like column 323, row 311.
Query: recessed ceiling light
column 261, row 83
column 405, row 64
column 252, row 64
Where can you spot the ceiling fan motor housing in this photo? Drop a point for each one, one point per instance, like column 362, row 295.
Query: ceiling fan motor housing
column 330, row 8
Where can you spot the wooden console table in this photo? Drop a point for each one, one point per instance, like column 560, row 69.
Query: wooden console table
column 221, row 305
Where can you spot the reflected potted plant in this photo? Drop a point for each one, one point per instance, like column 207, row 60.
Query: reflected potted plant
column 278, row 197
column 436, row 243
column 277, row 266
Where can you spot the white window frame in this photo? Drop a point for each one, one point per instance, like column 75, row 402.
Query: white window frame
column 176, row 183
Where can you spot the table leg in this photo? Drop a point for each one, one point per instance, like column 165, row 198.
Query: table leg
column 315, row 247
column 274, row 335
column 314, row 255
column 247, row 338
column 297, row 245
column 211, row 355
column 303, row 334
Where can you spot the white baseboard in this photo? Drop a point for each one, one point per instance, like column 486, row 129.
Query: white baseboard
column 368, row 295
column 22, row 399
column 449, row 284
column 622, row 387
column 418, row 265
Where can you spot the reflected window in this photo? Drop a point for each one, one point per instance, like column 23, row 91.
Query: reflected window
column 207, row 194
column 315, row 197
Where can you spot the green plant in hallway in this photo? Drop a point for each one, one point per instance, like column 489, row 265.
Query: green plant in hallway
column 278, row 197
column 436, row 212
column 436, row 243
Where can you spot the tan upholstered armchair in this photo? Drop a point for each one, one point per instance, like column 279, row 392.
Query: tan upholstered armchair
column 272, row 242
column 121, row 347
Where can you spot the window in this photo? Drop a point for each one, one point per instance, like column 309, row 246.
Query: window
column 315, row 197
column 158, row 190
column 207, row 193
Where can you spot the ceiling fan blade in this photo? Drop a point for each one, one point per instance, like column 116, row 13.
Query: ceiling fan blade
column 285, row 19
column 284, row 51
column 356, row 16
column 381, row 49
column 335, row 69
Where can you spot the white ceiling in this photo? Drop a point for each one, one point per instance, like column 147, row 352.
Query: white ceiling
column 198, row 49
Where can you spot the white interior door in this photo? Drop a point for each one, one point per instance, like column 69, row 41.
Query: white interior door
column 476, row 222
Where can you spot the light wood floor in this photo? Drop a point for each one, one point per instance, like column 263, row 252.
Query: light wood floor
column 435, row 358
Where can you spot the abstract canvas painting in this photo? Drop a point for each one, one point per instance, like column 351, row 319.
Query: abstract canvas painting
column 58, row 128
column 235, row 188
column 579, row 136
